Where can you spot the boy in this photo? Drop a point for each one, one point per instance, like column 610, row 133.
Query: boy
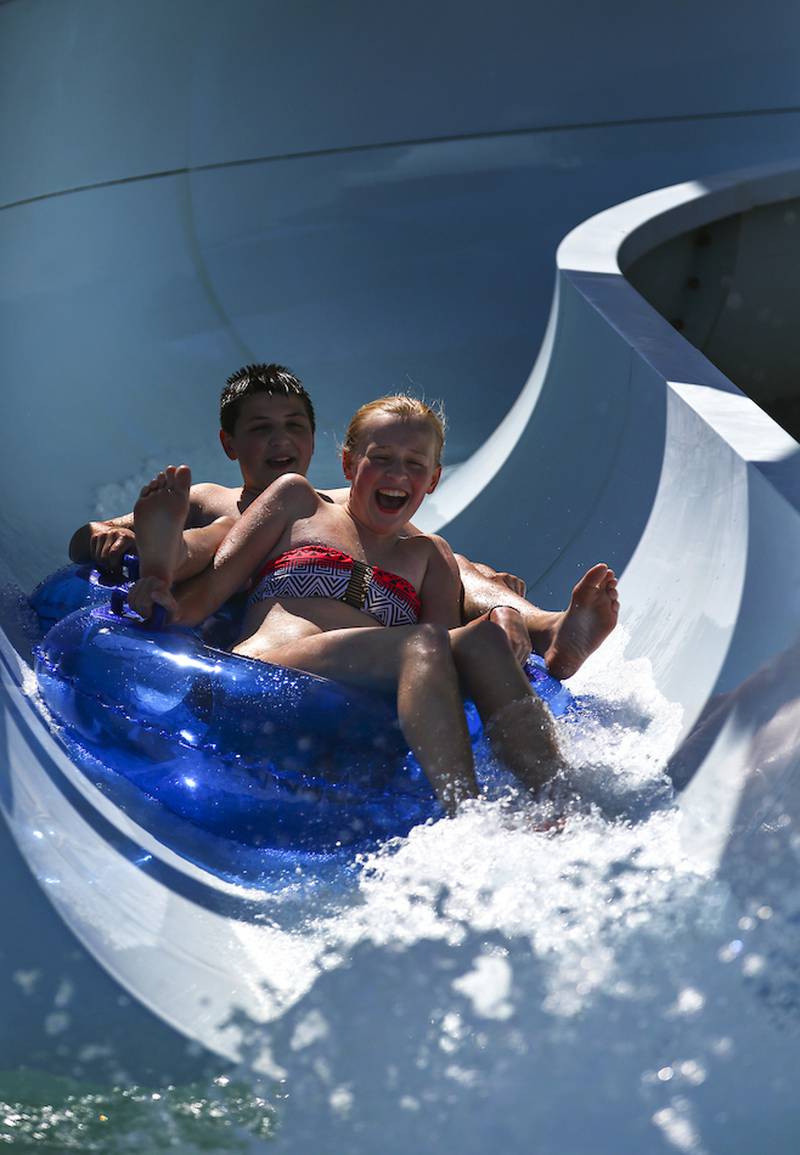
column 267, row 425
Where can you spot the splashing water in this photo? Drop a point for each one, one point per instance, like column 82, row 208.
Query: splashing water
column 483, row 985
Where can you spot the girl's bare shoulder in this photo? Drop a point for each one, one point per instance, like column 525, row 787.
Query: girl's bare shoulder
column 431, row 549
column 294, row 493
column 432, row 545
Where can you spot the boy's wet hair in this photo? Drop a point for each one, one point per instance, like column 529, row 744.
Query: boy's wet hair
column 397, row 405
column 274, row 380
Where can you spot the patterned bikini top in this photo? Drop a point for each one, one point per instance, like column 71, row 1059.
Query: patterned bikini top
column 320, row 571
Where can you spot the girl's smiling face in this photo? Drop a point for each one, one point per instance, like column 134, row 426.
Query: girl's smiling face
column 392, row 467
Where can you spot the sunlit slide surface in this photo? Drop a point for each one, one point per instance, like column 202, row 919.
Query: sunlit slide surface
column 629, row 984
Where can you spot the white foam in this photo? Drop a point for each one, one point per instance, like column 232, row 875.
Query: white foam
column 566, row 985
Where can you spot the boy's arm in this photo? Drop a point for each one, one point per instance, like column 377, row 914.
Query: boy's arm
column 105, row 543
column 485, row 587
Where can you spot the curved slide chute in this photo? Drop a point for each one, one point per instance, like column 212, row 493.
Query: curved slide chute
column 177, row 233
column 682, row 471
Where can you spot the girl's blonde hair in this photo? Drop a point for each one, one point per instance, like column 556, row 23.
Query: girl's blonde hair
column 397, row 405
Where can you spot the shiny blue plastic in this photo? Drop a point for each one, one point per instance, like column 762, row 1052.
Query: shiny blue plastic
column 72, row 588
column 243, row 749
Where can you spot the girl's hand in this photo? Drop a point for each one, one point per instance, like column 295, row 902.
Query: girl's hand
column 149, row 591
column 510, row 622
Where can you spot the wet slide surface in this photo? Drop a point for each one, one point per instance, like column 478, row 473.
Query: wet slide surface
column 475, row 982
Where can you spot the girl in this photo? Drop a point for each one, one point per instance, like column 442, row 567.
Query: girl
column 326, row 581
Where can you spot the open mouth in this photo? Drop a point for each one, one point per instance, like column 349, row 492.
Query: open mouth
column 390, row 500
column 280, row 462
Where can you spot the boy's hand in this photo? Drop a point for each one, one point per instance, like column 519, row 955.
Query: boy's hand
column 511, row 623
column 149, row 591
column 516, row 584
column 108, row 545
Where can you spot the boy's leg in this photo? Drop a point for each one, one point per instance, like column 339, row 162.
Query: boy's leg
column 517, row 722
column 416, row 661
column 565, row 638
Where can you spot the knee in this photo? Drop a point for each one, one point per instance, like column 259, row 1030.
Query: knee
column 429, row 644
column 484, row 639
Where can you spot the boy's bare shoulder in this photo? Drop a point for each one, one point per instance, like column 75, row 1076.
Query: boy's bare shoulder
column 337, row 496
column 208, row 501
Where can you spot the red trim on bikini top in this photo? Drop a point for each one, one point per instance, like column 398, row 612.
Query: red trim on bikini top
column 328, row 555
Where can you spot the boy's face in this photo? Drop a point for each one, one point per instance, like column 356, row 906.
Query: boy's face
column 272, row 436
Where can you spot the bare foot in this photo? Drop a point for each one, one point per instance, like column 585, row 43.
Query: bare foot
column 158, row 518
column 588, row 620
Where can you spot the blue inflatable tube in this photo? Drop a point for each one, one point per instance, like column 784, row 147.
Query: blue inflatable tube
column 249, row 751
column 77, row 586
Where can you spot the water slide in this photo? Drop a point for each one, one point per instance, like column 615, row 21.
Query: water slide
column 577, row 267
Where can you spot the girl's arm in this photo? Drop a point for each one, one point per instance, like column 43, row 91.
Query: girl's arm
column 437, row 601
column 440, row 592
column 252, row 538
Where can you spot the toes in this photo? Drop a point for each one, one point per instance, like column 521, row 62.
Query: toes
column 595, row 576
column 151, row 486
column 174, row 477
column 183, row 478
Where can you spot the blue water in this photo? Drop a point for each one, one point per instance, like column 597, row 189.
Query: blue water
column 49, row 1114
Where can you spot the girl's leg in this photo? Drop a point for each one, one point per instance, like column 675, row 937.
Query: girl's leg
column 159, row 516
column 158, row 519
column 416, row 661
column 517, row 722
column 200, row 545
